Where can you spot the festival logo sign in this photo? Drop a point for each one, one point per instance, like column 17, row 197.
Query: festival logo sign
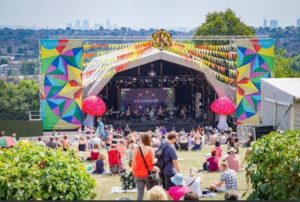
column 161, row 39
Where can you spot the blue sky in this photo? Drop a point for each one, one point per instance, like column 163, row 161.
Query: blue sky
column 143, row 13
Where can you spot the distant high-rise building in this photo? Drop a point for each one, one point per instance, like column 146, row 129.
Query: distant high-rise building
column 69, row 25
column 97, row 25
column 273, row 24
column 298, row 22
column 77, row 24
column 115, row 26
column 108, row 25
column 85, row 24
column 265, row 23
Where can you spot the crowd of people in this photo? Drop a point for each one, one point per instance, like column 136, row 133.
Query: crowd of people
column 143, row 153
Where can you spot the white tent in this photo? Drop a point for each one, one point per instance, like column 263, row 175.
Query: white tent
column 281, row 103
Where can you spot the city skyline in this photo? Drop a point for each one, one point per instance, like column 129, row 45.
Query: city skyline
column 137, row 14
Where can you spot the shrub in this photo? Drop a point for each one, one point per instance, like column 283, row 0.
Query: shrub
column 274, row 167
column 29, row 171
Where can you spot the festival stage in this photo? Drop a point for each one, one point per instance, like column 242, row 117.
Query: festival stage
column 187, row 125
column 161, row 77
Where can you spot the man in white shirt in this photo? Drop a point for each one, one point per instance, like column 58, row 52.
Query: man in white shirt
column 40, row 142
column 193, row 182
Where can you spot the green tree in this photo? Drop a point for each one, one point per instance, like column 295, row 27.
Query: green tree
column 223, row 23
column 9, row 49
column 28, row 68
column 32, row 172
column 296, row 65
column 17, row 99
column 274, row 167
column 3, row 61
column 283, row 65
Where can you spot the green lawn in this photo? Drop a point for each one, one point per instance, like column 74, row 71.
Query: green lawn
column 190, row 159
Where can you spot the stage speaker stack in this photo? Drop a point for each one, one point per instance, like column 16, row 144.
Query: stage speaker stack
column 263, row 130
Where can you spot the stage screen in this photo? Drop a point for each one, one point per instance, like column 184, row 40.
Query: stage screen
column 144, row 97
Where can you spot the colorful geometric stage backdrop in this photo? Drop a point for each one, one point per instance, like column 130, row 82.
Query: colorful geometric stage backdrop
column 241, row 64
column 61, row 85
column 255, row 61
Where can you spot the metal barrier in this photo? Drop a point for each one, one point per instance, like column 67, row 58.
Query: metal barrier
column 34, row 115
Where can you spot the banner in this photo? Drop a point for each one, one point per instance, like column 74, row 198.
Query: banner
column 142, row 98
column 255, row 60
column 61, row 84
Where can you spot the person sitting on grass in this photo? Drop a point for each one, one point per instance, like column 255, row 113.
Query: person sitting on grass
column 219, row 150
column 233, row 160
column 193, row 182
column 156, row 193
column 212, row 163
column 178, row 191
column 100, row 164
column 228, row 177
column 191, row 196
column 95, row 153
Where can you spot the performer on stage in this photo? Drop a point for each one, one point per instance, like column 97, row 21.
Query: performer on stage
column 100, row 128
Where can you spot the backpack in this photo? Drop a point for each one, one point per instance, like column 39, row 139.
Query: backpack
column 159, row 155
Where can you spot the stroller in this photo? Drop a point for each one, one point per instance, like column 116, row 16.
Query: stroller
column 115, row 162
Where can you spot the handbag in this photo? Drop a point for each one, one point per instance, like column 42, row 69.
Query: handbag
column 154, row 178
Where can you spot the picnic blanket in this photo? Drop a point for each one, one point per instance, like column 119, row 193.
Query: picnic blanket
column 117, row 190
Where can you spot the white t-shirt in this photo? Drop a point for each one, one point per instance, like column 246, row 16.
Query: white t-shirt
column 195, row 186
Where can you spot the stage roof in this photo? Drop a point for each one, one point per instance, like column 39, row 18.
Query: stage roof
column 102, row 68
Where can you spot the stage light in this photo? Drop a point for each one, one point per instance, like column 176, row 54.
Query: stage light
column 152, row 73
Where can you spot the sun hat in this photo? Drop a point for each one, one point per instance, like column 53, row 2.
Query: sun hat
column 232, row 150
column 178, row 179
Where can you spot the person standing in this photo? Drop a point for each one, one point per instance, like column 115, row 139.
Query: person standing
column 52, row 144
column 100, row 128
column 168, row 161
column 65, row 143
column 143, row 162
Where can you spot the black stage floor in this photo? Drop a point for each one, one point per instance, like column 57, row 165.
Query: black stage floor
column 145, row 125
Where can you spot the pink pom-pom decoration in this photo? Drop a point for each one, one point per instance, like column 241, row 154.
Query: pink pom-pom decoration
column 94, row 106
column 223, row 106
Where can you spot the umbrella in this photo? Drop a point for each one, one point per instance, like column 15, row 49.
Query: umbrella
column 94, row 105
column 6, row 141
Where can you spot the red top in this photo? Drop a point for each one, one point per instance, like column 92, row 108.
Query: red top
column 213, row 164
column 139, row 168
column 94, row 155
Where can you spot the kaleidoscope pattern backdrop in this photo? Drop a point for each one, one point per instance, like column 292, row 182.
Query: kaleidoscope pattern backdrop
column 255, row 60
column 61, row 84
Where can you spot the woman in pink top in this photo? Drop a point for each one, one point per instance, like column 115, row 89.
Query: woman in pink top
column 233, row 160
column 180, row 189
column 219, row 150
column 213, row 162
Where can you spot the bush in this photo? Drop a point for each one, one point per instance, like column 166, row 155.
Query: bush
column 274, row 167
column 29, row 171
